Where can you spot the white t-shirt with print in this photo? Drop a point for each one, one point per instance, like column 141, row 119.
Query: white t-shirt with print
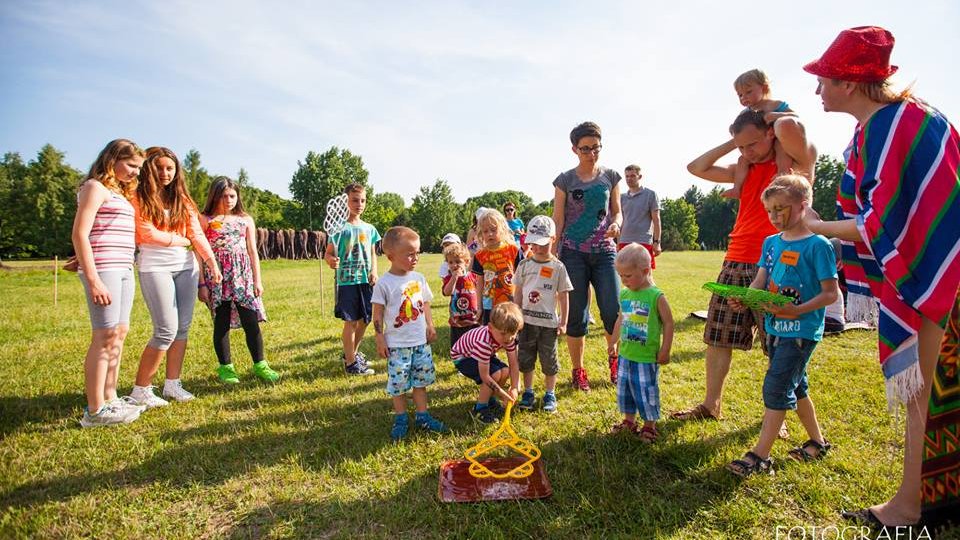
column 540, row 283
column 403, row 299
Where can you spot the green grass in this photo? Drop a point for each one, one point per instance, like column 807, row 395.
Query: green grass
column 311, row 457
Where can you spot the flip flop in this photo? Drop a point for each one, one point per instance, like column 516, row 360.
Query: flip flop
column 697, row 413
column 864, row 516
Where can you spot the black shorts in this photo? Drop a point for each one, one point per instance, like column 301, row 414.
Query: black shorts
column 353, row 302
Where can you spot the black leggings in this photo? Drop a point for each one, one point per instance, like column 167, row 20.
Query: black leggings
column 221, row 332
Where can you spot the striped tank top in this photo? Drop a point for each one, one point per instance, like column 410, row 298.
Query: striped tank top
column 112, row 234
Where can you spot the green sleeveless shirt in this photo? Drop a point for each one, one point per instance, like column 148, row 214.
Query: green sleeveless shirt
column 640, row 326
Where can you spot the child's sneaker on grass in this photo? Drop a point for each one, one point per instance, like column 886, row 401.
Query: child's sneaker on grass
column 425, row 421
column 527, row 400
column 227, row 374
column 262, row 370
column 484, row 414
column 174, row 390
column 356, row 368
column 401, row 425
column 108, row 415
column 580, row 381
column 127, row 402
column 143, row 395
column 550, row 402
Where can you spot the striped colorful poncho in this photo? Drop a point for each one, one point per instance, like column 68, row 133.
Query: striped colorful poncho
column 901, row 186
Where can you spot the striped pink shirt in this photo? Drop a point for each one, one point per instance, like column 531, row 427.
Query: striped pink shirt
column 479, row 345
column 112, row 234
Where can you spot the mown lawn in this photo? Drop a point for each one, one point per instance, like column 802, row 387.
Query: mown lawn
column 311, row 457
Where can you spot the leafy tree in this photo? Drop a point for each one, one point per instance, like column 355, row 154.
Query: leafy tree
column 433, row 214
column 715, row 217
column 828, row 173
column 383, row 210
column 52, row 186
column 679, row 223
column 544, row 208
column 321, row 177
column 197, row 179
column 13, row 217
column 694, row 196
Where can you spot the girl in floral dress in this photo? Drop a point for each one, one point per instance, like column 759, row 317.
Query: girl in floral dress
column 235, row 302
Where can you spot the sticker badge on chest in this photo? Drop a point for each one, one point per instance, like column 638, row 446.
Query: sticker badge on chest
column 790, row 258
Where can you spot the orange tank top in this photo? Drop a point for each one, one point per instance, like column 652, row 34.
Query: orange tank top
column 752, row 225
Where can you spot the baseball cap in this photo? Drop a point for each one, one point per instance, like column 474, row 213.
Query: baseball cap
column 451, row 238
column 540, row 230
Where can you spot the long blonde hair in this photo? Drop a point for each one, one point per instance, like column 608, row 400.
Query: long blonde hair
column 102, row 169
column 492, row 216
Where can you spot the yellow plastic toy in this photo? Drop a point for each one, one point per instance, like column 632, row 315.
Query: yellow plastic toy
column 503, row 436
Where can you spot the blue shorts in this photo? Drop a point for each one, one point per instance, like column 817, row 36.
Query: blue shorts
column 786, row 378
column 408, row 368
column 353, row 302
column 638, row 389
column 469, row 368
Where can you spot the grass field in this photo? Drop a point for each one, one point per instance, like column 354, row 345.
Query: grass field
column 311, row 456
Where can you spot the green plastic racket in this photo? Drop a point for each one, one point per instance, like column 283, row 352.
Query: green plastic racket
column 752, row 298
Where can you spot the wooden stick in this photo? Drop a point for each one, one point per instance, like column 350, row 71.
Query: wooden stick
column 56, row 280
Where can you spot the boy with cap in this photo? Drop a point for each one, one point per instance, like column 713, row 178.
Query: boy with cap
column 541, row 286
column 448, row 239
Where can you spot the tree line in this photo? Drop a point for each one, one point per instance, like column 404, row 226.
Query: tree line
column 38, row 202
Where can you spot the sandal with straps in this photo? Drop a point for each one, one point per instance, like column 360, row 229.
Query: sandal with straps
column 801, row 454
column 648, row 434
column 751, row 463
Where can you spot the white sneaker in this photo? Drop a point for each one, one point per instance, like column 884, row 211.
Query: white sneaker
column 175, row 391
column 109, row 415
column 127, row 402
column 144, row 396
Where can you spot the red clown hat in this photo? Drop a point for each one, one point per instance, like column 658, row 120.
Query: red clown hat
column 860, row 54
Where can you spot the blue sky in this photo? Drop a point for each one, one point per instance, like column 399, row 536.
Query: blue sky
column 482, row 95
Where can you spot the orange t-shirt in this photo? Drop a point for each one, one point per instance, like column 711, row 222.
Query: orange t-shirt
column 752, row 225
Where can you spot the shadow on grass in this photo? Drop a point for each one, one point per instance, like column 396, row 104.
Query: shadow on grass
column 614, row 486
column 16, row 411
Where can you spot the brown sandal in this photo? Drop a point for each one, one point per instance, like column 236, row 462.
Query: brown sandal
column 648, row 434
column 624, row 425
column 700, row 412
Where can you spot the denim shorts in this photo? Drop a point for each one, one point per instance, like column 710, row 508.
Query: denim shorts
column 469, row 367
column 786, row 378
column 595, row 269
column 409, row 368
column 353, row 302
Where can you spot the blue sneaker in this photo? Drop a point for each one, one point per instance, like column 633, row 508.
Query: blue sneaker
column 485, row 414
column 550, row 402
column 527, row 400
column 400, row 427
column 429, row 423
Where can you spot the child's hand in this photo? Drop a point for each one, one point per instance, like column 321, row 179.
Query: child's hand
column 431, row 334
column 382, row 346
column 372, row 277
column 258, row 289
column 99, row 293
column 203, row 293
column 215, row 275
column 785, row 311
column 736, row 304
column 663, row 357
column 613, row 348
column 613, row 231
column 561, row 329
column 511, row 395
column 456, row 272
column 332, row 261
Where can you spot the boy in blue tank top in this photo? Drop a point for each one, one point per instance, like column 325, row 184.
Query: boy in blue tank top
column 801, row 265
column 644, row 335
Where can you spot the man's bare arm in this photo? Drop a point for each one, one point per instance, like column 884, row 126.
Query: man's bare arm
column 706, row 166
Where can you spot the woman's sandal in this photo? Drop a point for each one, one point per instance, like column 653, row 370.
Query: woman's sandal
column 648, row 434
column 750, row 464
column 801, row 454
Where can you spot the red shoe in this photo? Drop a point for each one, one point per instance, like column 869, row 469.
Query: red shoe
column 614, row 362
column 580, row 381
